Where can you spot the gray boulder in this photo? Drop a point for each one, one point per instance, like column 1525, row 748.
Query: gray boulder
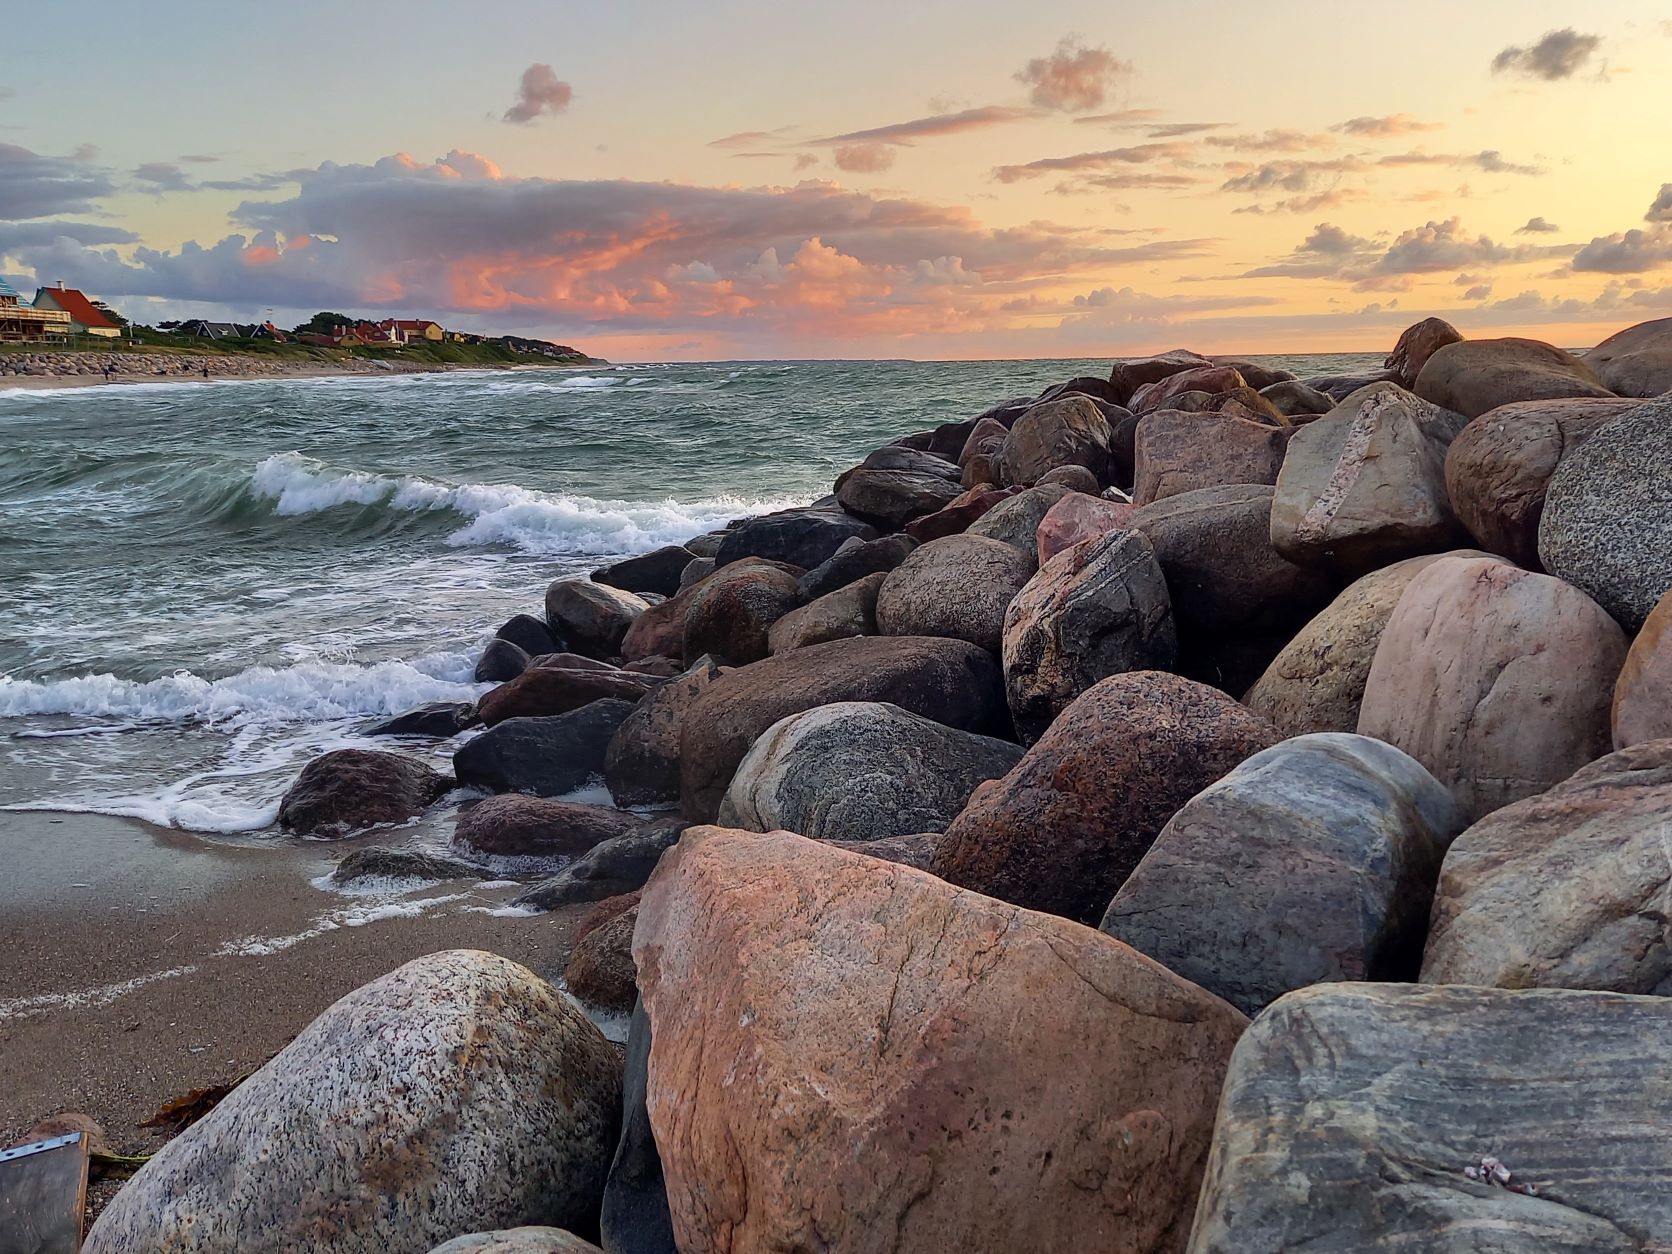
column 958, row 587
column 892, row 498
column 610, row 868
column 797, row 537
column 518, row 1241
column 1313, row 861
column 1636, row 361
column 1473, row 376
column 850, row 610
column 1016, row 519
column 592, row 617
column 547, row 755
column 501, row 660
column 1069, row 431
column 641, row 760
column 853, row 561
column 656, row 571
column 345, row 790
column 1294, row 399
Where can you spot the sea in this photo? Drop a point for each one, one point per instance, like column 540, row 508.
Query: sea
column 205, row 584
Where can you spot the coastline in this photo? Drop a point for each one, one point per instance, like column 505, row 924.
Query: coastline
column 255, row 370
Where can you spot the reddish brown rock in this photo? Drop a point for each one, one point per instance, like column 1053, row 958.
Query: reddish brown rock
column 976, row 460
column 731, row 612
column 1063, row 830
column 1129, row 375
column 850, row 610
column 346, row 789
column 592, row 617
column 849, row 1054
column 1200, row 379
column 958, row 515
column 660, row 630
column 1078, row 517
column 1177, row 452
column 1417, row 343
column 1642, row 708
column 1069, row 431
column 600, row 969
column 1473, row 377
column 546, row 690
column 515, row 825
column 1636, row 361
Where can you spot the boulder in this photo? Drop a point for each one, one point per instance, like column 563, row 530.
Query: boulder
column 796, row 537
column 730, row 612
column 1636, row 361
column 698, row 569
column 896, row 456
column 916, row 850
column 957, row 516
column 853, row 561
column 660, row 630
column 1316, row 684
column 1063, row 830
column 656, row 666
column 850, row 610
column 501, row 660
column 656, row 571
column 1417, row 343
column 892, row 498
column 592, row 617
column 707, row 544
column 1085, row 385
column 610, row 868
column 1642, row 708
column 527, row 1240
column 958, row 587
column 1078, row 517
column 1565, row 889
column 981, row 447
column 513, row 825
column 950, row 681
column 1607, row 523
column 1474, row 376
column 860, row 771
column 641, row 760
column 459, row 1092
column 850, row 1054
column 1095, row 610
column 1313, row 861
column 1236, row 600
column 1074, row 478
column 438, row 720
column 547, row 757
column 570, row 662
column 1209, row 379
column 1016, row 521
column 344, row 790
column 1177, row 452
column 530, row 634
column 1499, row 467
column 363, row 865
column 1338, row 387
column 635, row 1216
column 1130, row 374
column 945, row 440
column 600, row 968
column 1365, row 485
column 541, row 691
column 1295, row 399
column 1256, row 373
column 1069, row 431
column 1496, row 679
column 1351, row 1112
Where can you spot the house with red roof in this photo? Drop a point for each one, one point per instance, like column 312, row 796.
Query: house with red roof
column 409, row 329
column 85, row 317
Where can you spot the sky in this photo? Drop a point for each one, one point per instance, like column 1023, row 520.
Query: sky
column 742, row 179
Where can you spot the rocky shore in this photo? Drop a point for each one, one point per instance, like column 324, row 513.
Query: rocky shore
column 130, row 367
column 1193, row 809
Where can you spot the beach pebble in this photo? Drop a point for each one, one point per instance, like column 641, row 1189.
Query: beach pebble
column 344, row 790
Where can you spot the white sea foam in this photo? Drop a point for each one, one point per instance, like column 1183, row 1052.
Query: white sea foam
column 103, row 995
column 354, row 916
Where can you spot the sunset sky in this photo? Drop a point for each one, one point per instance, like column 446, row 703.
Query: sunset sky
column 655, row 181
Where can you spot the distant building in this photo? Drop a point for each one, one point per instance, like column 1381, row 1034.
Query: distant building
column 203, row 329
column 410, row 329
column 26, row 323
column 85, row 318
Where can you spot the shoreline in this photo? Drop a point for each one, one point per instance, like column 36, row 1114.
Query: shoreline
column 276, row 373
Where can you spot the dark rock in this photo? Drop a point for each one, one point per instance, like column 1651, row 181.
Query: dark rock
column 696, row 570
column 946, row 440
column 1295, row 399
column 958, row 587
column 958, row 515
column 1070, row 431
column 705, row 545
column 600, row 969
column 501, row 660
column 1474, row 376
column 524, row 1240
column 543, row 690
column 517, row 826
column 439, row 719
column 1416, row 345
column 641, row 766
column 1084, row 385
column 1016, row 520
column 1338, row 387
column 1128, row 375
column 916, row 850
column 570, row 662
column 730, row 613
column 398, row 864
column 656, row 571
column 635, row 1218
column 892, row 498
column 547, row 756
column 530, row 634
column 347, row 789
column 610, row 868
column 801, row 538
column 592, row 617
column 656, row 666
column 915, row 461
column 854, row 560
column 1161, row 394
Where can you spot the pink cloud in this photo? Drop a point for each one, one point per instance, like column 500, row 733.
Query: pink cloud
column 540, row 92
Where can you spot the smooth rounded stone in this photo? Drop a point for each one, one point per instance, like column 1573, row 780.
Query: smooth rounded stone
column 1095, row 610
column 1159, row 395
column 1496, row 679
column 660, row 630
column 950, row 681
column 1248, row 404
column 656, row 666
column 362, row 865
column 530, row 634
column 592, row 617
column 853, row 561
column 1063, row 830
column 730, row 613
column 641, row 762
column 1294, row 399
column 513, row 825
column 1131, row 373
column 1085, row 385
column 570, row 662
column 436, row 719
column 344, row 790
column 896, row 456
column 1498, row 468
column 1074, row 478
column 797, row 537
column 1565, row 889
column 600, row 970
column 860, row 771
column 852, row 1048
column 1078, row 517
column 1338, row 387
column 958, row 587
column 530, row 1240
column 547, row 756
column 542, row 691
column 1474, row 376
column 916, row 850
column 655, row 571
column 1642, row 708
column 1257, row 373
column 610, row 868
column 1069, row 431
column 635, row 1216
column 1177, row 452
column 500, row 662
column 1351, row 1110
column 1316, row 684
column 707, row 544
column 696, row 570
column 1236, row 599
column 1016, row 520
column 890, row 499
column 1636, row 361
column 946, row 440
column 1607, row 523
column 1417, row 343
column 458, row 1093
column 1365, row 485
column 957, row 516
column 975, row 459
column 850, row 610
column 1313, row 861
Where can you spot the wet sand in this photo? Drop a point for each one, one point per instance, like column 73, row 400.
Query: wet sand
column 139, row 963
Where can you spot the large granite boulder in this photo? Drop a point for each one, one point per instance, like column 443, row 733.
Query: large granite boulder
column 1352, row 1111
column 1474, row 376
column 1016, row 520
column 1607, row 524
column 850, row 1054
column 1636, row 361
column 853, row 561
column 1365, row 485
column 1496, row 679
column 514, row 825
column 860, row 770
column 1095, row 610
column 1129, row 374
column 641, row 759
column 1417, row 343
column 1313, row 861
column 1316, row 683
column 730, row 613
column 1063, row 830
column 1499, row 467
column 1642, row 708
column 526, row 1240
column 1565, row 889
column 611, row 868
column 344, row 790
column 1069, row 431
column 1236, row 599
column 1176, row 452
column 892, row 498
column 542, row 691
column 958, row 587
column 1163, row 392
column 592, row 617
column 657, row 571
column 1296, row 400
column 850, row 610
column 951, row 681
column 543, row 756
column 1078, row 516
column 459, row 1092
column 796, row 537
